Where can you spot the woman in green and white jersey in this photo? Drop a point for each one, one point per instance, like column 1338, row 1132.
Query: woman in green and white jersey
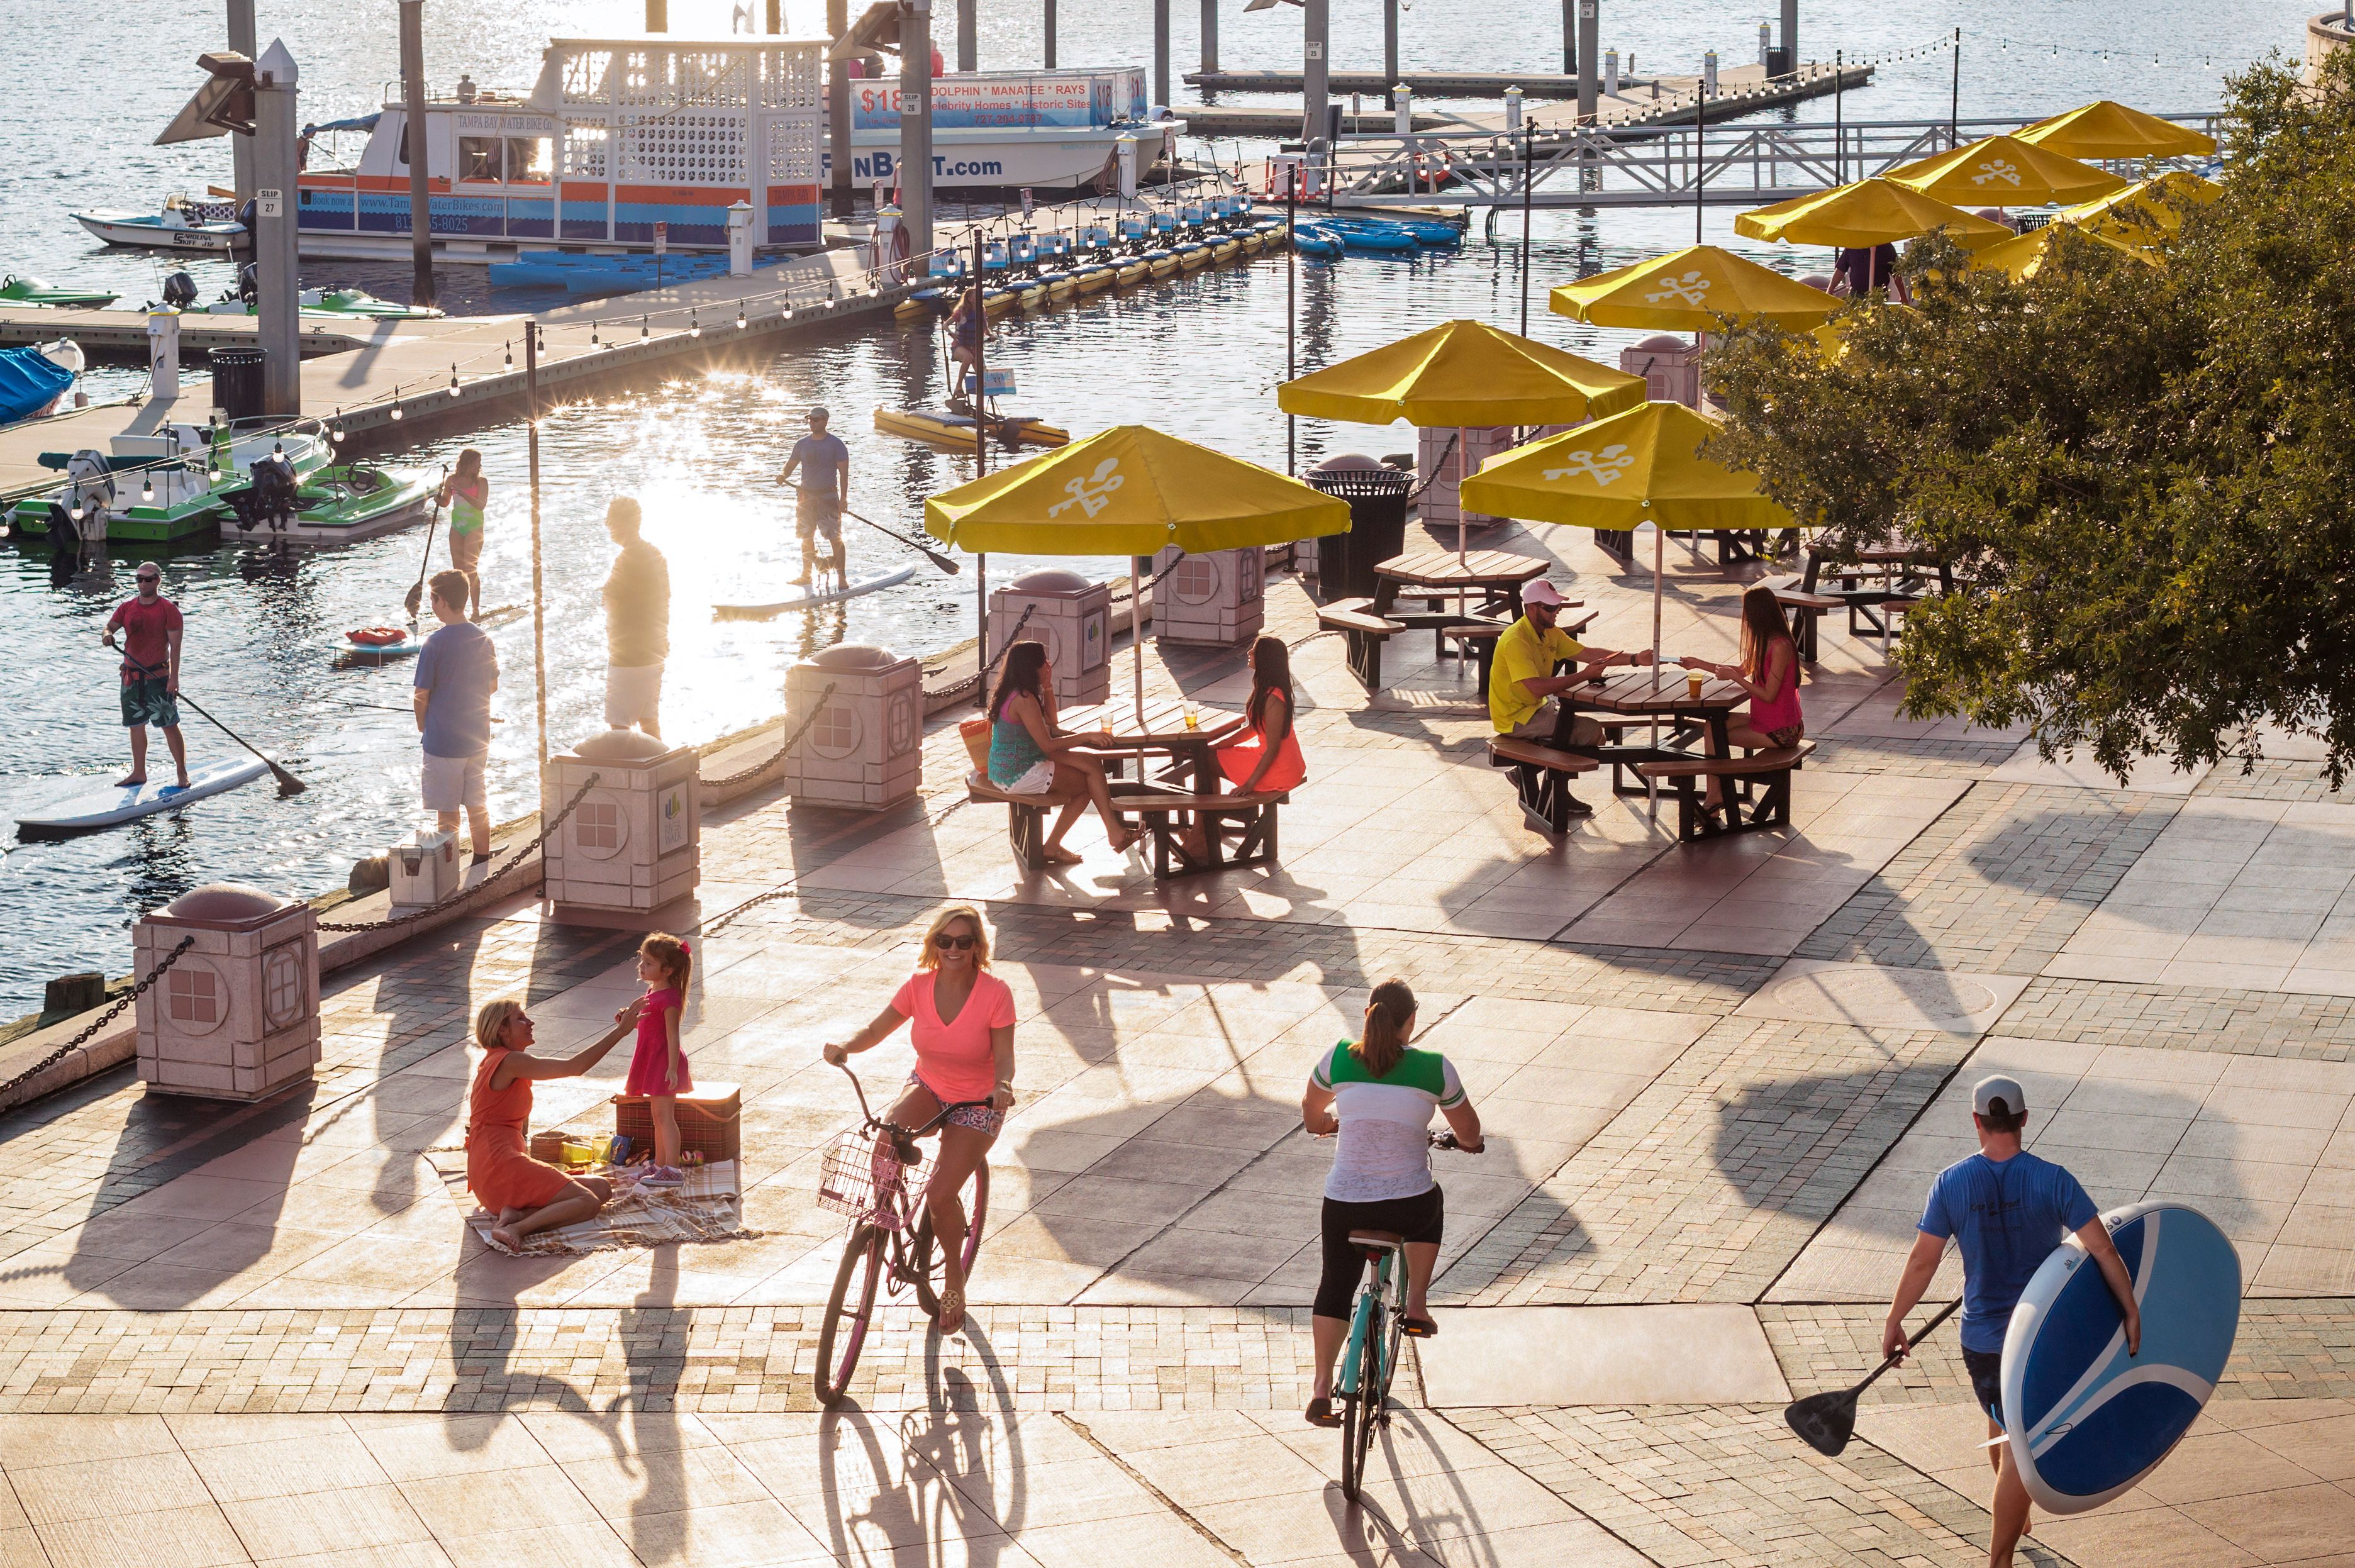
column 1378, row 1095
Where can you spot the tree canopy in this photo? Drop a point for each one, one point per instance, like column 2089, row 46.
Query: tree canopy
column 2146, row 474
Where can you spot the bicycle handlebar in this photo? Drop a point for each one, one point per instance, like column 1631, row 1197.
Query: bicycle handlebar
column 873, row 1121
column 1448, row 1140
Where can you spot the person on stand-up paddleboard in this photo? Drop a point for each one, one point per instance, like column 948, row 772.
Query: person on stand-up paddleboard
column 823, row 491
column 2006, row 1210
column 150, row 625
column 637, row 623
column 456, row 673
column 465, row 493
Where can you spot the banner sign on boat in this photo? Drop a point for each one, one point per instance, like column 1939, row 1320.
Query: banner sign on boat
column 2086, row 1421
column 1006, row 102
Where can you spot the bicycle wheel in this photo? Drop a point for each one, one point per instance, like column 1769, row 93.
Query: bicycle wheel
column 927, row 1267
column 852, row 1304
column 1361, row 1398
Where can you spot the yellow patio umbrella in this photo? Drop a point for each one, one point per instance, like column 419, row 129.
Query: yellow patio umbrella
column 1131, row 490
column 1461, row 373
column 1645, row 465
column 2107, row 130
column 1866, row 212
column 2005, row 171
column 1689, row 290
column 1831, row 338
column 2162, row 200
column 2023, row 256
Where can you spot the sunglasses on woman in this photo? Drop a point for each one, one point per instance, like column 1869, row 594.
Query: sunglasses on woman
column 944, row 941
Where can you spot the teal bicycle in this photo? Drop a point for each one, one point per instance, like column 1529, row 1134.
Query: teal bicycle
column 1377, row 1327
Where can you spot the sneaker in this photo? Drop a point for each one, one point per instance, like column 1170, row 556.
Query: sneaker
column 663, row 1176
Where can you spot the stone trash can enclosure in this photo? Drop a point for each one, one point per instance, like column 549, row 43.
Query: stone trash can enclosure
column 865, row 747
column 635, row 844
column 237, row 1016
column 1071, row 616
column 1216, row 600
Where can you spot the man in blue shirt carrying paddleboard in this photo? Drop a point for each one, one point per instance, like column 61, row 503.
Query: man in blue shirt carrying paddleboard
column 2006, row 1210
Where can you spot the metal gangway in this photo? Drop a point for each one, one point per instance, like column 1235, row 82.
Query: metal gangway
column 1660, row 164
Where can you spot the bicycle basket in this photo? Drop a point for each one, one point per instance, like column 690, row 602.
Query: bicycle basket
column 859, row 1171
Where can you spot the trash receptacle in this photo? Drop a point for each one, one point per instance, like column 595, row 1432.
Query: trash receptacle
column 237, row 381
column 1377, row 496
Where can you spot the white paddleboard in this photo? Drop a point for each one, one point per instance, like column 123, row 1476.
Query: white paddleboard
column 414, row 643
column 117, row 804
column 815, row 597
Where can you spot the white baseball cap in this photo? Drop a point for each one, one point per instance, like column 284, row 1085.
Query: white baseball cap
column 1998, row 1095
column 1540, row 593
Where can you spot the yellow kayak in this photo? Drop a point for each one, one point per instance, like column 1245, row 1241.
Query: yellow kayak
column 1226, row 250
column 1033, row 295
column 953, row 432
column 1164, row 264
column 1063, row 287
column 1097, row 278
column 1193, row 255
column 1133, row 271
column 1252, row 243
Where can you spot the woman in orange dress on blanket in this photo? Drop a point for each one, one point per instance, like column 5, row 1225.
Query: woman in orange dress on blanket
column 526, row 1195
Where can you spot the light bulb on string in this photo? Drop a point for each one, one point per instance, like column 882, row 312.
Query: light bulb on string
column 646, row 332
column 147, row 488
column 694, row 326
column 336, row 430
column 454, row 380
column 740, row 317
column 510, row 353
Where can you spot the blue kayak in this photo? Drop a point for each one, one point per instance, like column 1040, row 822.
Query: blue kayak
column 1316, row 242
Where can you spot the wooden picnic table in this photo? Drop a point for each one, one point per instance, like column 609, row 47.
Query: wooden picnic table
column 1163, row 732
column 1493, row 576
column 1188, row 814
column 1634, row 695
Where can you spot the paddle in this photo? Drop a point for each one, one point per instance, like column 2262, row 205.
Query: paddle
column 935, row 557
column 432, row 520
column 1826, row 1421
column 287, row 782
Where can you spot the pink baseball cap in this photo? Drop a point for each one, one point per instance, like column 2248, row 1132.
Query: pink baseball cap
column 1540, row 593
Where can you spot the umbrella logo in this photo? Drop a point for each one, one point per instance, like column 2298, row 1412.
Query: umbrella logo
column 1603, row 470
column 1092, row 493
column 1997, row 170
column 1691, row 289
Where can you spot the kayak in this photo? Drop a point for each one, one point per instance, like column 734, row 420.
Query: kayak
column 815, row 597
column 953, row 432
column 115, row 803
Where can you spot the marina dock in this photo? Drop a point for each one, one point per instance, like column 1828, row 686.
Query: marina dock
column 120, row 336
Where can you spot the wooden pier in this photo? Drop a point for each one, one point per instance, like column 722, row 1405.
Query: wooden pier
column 120, row 337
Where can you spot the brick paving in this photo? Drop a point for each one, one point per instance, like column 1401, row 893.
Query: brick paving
column 1688, row 1484
column 1911, row 757
column 1999, row 883
column 2245, row 1023
column 2273, row 778
column 1707, row 1185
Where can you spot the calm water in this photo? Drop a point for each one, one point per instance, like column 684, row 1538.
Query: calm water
column 1199, row 358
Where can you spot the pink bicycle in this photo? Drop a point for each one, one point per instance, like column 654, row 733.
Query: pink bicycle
column 874, row 1174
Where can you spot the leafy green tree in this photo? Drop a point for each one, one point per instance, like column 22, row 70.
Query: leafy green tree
column 2145, row 473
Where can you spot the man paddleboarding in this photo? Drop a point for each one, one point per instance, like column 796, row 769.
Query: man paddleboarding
column 150, row 625
column 2006, row 1210
column 824, row 490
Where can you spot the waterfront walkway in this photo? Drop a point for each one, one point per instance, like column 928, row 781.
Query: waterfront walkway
column 1716, row 1078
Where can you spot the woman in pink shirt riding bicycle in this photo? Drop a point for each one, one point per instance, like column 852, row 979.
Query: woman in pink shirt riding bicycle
column 963, row 1019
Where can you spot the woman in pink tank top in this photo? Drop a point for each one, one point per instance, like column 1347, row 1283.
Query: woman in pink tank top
column 1769, row 671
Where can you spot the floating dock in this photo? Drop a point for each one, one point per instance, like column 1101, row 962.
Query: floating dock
column 120, row 336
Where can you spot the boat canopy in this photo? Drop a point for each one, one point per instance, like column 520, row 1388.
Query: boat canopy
column 29, row 382
column 356, row 122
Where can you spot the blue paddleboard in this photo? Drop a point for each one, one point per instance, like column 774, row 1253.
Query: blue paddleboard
column 2085, row 1420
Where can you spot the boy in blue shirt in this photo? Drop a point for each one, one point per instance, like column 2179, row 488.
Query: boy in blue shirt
column 2007, row 1210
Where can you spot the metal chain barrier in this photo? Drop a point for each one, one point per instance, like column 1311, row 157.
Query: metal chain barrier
column 394, row 922
column 757, row 768
column 973, row 682
column 90, row 1029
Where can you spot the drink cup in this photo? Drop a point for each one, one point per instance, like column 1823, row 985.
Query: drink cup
column 1193, row 719
column 1694, row 680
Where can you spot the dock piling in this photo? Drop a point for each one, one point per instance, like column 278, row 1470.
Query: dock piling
column 242, row 40
column 916, row 125
column 837, row 106
column 1315, row 74
column 277, row 285
column 1791, row 33
column 1210, row 31
column 1589, row 30
column 1049, row 29
column 1160, row 52
column 1389, row 42
column 413, row 139
column 968, row 35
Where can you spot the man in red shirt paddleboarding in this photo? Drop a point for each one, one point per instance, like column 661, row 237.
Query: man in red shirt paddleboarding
column 150, row 625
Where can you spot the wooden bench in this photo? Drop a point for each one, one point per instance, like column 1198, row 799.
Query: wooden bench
column 1766, row 772
column 1026, row 824
column 1363, row 633
column 1801, row 609
column 1194, row 830
column 1541, row 778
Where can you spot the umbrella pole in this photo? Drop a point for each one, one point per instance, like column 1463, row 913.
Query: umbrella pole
column 1463, row 470
column 1136, row 629
column 1659, row 561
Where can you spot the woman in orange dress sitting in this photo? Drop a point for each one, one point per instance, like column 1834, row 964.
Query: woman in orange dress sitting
column 1259, row 751
column 526, row 1195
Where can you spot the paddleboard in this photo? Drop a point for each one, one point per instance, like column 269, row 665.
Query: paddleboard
column 815, row 597
column 118, row 803
column 414, row 642
column 2086, row 1421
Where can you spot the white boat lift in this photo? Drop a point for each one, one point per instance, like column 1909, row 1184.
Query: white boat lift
column 1485, row 165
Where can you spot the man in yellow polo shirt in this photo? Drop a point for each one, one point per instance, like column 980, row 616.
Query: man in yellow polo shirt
column 1522, row 685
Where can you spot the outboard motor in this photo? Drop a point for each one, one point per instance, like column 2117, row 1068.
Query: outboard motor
column 180, row 291
column 90, row 496
column 271, row 498
column 248, row 281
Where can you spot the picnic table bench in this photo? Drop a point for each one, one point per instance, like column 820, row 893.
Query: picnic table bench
column 1542, row 777
column 1760, row 781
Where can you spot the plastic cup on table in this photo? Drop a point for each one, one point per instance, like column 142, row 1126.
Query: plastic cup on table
column 1694, row 680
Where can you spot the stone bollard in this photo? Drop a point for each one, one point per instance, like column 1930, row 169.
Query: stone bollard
column 1670, row 368
column 865, row 749
column 237, row 1016
column 1214, row 600
column 635, row 844
column 1071, row 616
column 1439, row 458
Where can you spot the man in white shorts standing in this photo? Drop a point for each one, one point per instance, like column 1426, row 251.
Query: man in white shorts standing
column 637, row 624
column 457, row 670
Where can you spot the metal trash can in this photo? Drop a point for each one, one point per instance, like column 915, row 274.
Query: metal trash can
column 1376, row 496
column 237, row 381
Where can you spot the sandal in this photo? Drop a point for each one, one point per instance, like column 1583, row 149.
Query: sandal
column 1415, row 1327
column 1320, row 1412
column 951, row 1316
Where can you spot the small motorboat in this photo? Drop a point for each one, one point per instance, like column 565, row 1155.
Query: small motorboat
column 182, row 225
column 346, row 305
column 1095, row 276
column 925, row 303
column 1192, row 254
column 33, row 378
column 169, row 486
column 1135, row 269
column 1163, row 263
column 331, row 506
column 1226, row 250
column 954, row 432
column 1060, row 285
column 15, row 290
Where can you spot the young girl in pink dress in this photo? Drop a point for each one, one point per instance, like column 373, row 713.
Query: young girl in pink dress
column 658, row 1067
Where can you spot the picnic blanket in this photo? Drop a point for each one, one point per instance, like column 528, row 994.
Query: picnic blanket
column 706, row 1207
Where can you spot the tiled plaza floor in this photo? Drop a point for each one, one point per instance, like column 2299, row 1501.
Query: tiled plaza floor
column 1717, row 1080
